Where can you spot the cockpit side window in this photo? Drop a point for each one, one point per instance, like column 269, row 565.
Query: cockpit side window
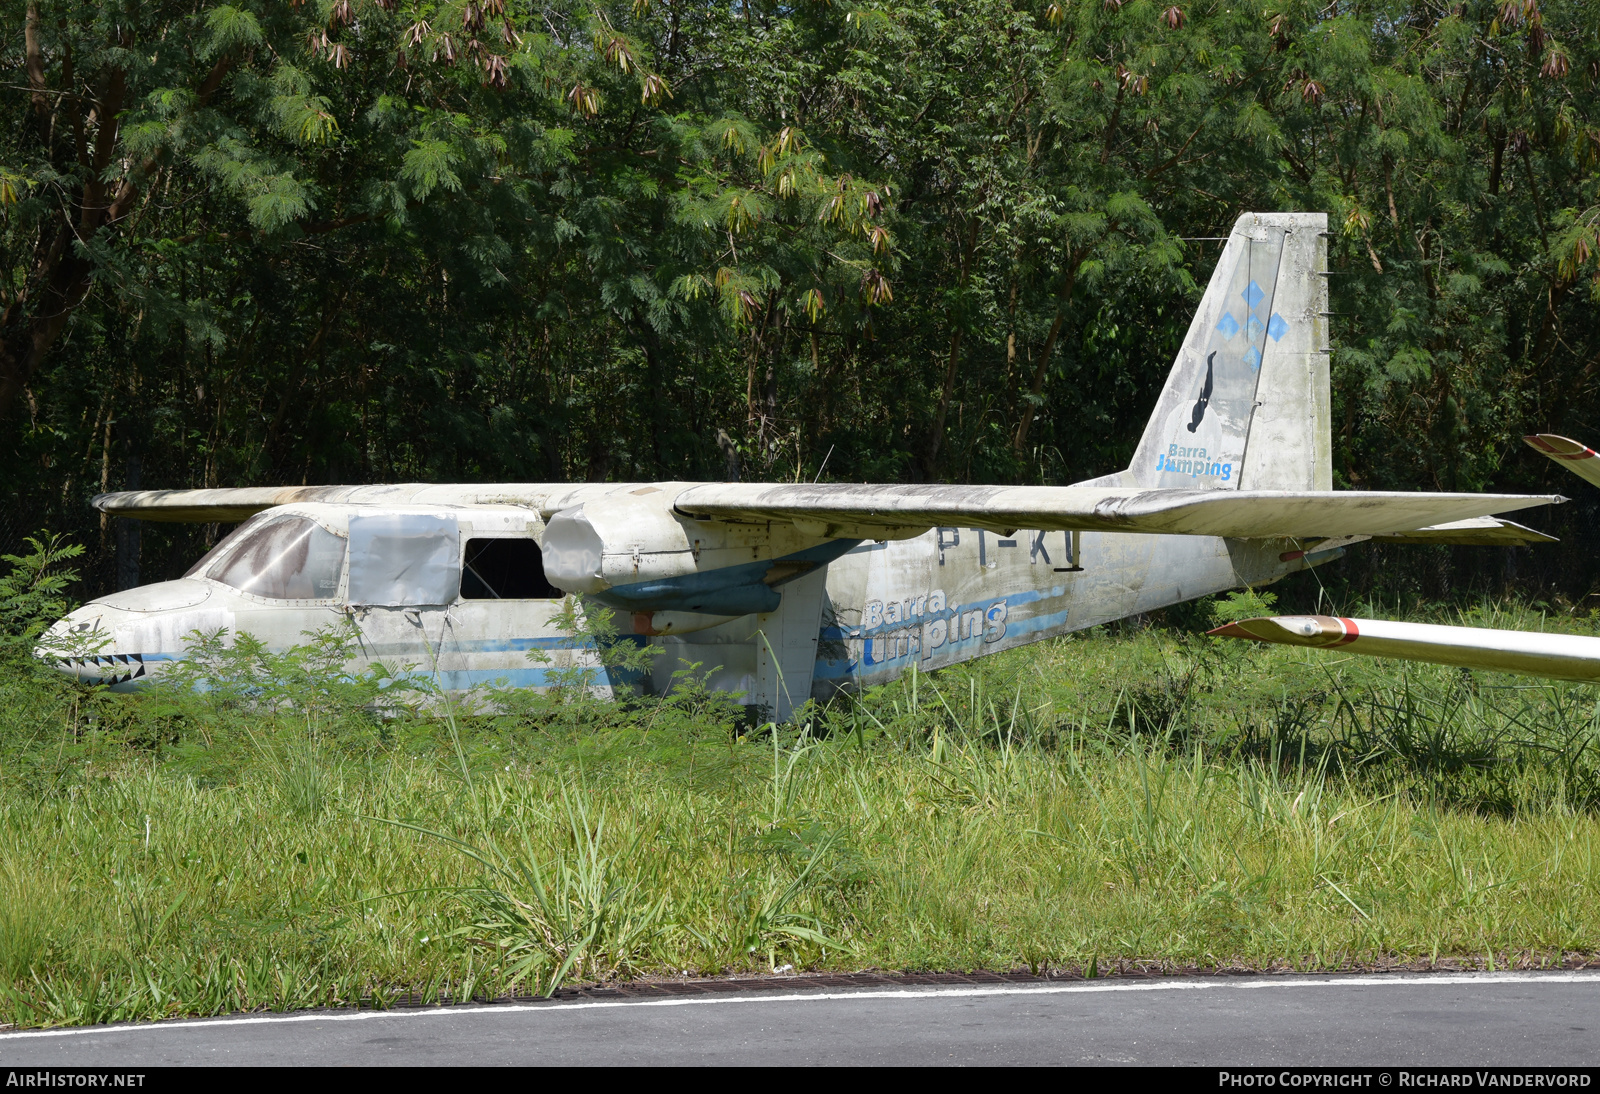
column 224, row 546
column 505, row 569
column 287, row 558
column 227, row 543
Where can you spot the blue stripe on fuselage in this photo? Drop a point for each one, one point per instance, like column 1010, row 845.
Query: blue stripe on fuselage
column 852, row 667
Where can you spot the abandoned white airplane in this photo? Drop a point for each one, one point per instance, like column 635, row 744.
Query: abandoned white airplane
column 1562, row 656
column 788, row 591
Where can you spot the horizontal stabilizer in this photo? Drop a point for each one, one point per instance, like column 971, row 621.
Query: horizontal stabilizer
column 1563, row 656
column 843, row 509
column 1477, row 532
column 1578, row 458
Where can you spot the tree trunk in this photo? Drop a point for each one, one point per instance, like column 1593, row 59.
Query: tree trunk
column 948, row 389
column 28, row 334
column 944, row 401
column 1075, row 259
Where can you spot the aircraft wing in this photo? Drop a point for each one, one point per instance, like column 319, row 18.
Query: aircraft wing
column 843, row 510
column 1563, row 656
column 230, row 504
column 1578, row 458
column 840, row 509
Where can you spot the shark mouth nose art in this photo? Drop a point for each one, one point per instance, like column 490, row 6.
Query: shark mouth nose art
column 115, row 668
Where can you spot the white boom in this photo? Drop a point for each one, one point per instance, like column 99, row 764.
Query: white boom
column 1578, row 458
column 1563, row 656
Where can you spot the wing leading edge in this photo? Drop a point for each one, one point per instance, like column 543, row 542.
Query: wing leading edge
column 231, row 504
column 1562, row 656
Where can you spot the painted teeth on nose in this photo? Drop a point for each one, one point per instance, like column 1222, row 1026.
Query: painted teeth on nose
column 81, row 666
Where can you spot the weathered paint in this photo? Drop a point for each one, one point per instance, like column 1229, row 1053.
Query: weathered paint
column 836, row 507
column 468, row 643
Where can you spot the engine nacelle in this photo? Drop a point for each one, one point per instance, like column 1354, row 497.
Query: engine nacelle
column 616, row 540
column 634, row 551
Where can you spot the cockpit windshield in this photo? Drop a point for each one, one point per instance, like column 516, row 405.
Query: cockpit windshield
column 277, row 557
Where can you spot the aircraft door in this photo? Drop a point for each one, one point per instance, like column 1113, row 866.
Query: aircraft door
column 403, row 560
column 405, row 570
column 505, row 609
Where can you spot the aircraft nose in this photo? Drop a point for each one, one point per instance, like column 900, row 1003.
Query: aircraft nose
column 82, row 646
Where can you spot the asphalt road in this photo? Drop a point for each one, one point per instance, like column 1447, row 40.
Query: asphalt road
column 1486, row 1019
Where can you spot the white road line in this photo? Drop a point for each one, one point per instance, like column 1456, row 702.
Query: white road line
column 1076, row 988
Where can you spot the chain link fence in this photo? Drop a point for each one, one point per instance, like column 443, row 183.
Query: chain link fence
column 118, row 554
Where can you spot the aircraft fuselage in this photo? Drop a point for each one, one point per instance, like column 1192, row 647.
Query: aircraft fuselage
column 864, row 617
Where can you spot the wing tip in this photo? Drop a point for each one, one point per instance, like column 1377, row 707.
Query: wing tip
column 1293, row 630
column 1250, row 629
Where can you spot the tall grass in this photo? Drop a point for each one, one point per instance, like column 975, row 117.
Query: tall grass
column 1130, row 796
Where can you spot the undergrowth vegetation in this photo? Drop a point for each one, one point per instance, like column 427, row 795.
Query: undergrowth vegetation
column 1139, row 794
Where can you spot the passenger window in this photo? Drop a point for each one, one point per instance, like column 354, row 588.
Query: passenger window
column 291, row 558
column 505, row 569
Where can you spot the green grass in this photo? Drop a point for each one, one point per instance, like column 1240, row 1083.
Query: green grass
column 1112, row 798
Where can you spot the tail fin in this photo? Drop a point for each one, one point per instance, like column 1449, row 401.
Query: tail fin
column 1246, row 403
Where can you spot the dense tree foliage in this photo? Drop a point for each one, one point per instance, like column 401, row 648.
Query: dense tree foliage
column 367, row 240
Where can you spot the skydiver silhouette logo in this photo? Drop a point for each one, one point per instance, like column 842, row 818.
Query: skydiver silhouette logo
column 1205, row 396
